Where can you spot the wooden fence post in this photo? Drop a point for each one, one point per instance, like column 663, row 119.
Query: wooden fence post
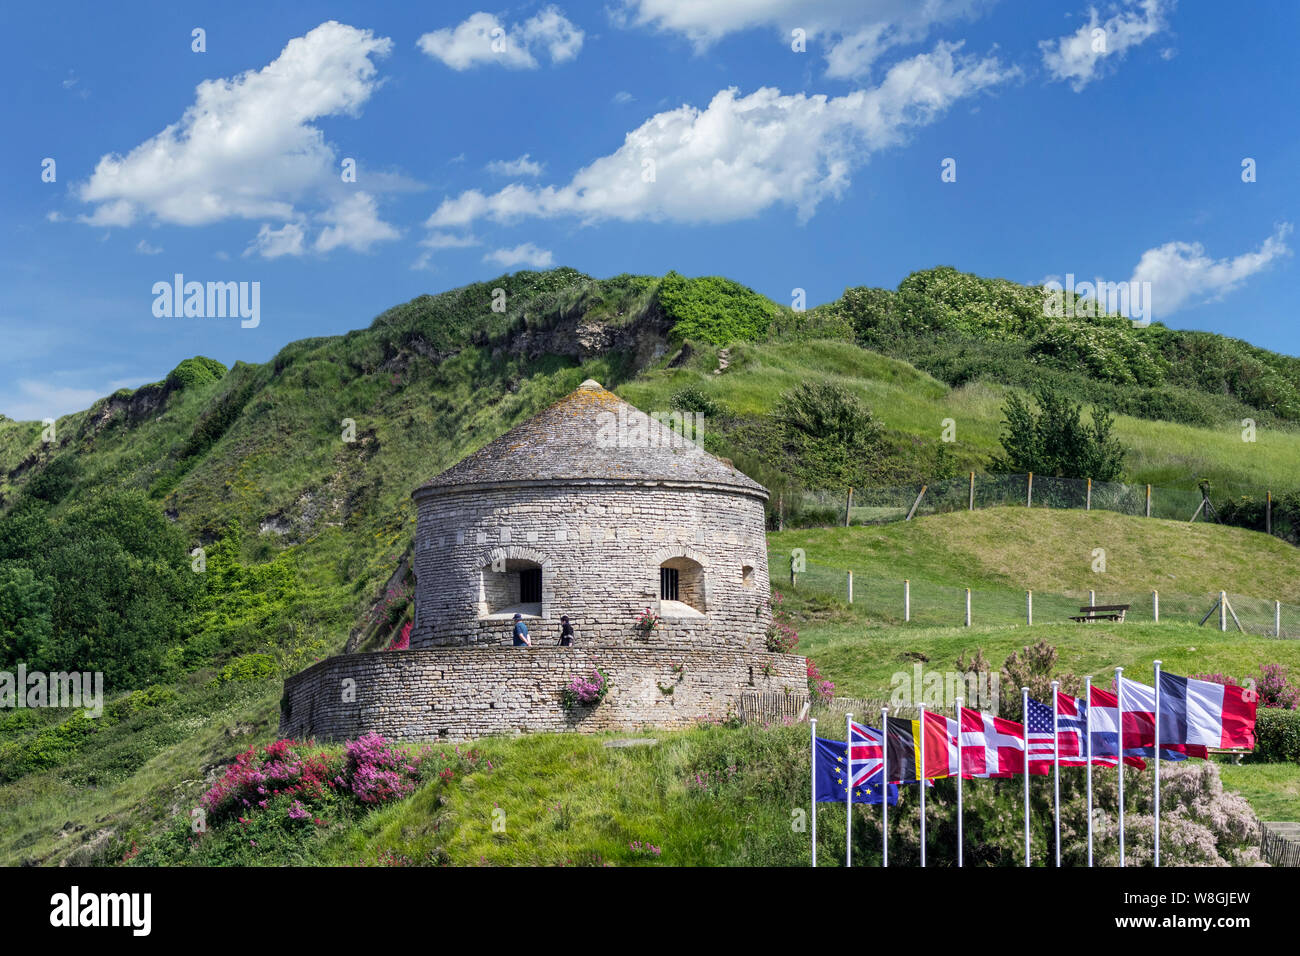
column 916, row 503
column 850, row 587
column 1088, row 506
column 1092, row 598
column 848, row 503
column 968, row 607
column 1029, row 493
column 1155, row 606
column 1277, row 618
column 1029, row 606
column 1268, row 514
column 1223, row 610
column 907, row 601
column 1148, row 501
column 972, row 492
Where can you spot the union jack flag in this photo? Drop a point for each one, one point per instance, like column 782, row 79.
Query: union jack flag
column 866, row 755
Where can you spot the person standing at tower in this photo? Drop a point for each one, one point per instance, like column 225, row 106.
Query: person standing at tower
column 566, row 631
column 521, row 632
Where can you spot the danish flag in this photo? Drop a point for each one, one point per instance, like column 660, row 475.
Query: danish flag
column 990, row 746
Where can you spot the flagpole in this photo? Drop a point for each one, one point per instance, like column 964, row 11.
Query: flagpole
column 1119, row 713
column 1024, row 716
column 884, row 775
column 1056, row 767
column 959, row 839
column 1157, row 809
column 813, row 721
column 848, row 797
column 920, row 773
column 1087, row 732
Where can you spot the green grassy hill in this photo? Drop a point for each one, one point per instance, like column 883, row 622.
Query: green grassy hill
column 304, row 531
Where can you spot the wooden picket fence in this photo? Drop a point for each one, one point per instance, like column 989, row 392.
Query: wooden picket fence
column 769, row 707
column 1276, row 849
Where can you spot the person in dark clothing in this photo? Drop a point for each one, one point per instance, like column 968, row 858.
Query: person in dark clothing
column 566, row 631
column 521, row 632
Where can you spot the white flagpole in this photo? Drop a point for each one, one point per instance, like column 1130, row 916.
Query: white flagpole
column 920, row 773
column 1056, row 769
column 1157, row 809
column 959, row 839
column 1087, row 732
column 1024, row 716
column 1119, row 710
column 813, row 722
column 848, row 797
column 884, row 778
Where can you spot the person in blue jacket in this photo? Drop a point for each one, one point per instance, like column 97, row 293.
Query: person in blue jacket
column 521, row 632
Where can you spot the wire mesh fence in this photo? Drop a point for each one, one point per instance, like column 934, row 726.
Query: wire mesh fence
column 881, row 505
column 930, row 604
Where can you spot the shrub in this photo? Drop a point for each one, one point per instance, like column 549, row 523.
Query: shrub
column 820, row 688
column 714, row 310
column 692, row 398
column 1053, row 440
column 248, row 667
column 1277, row 736
column 586, row 690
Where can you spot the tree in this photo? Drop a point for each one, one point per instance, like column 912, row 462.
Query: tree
column 25, row 624
column 1053, row 439
column 830, row 435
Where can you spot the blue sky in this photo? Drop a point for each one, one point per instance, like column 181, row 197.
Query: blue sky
column 1101, row 141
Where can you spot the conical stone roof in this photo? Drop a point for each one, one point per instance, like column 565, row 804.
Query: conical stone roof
column 592, row 436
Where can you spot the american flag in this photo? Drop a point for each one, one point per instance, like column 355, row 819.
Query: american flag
column 1038, row 733
column 866, row 754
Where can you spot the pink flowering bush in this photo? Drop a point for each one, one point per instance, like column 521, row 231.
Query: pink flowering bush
column 403, row 640
column 647, row 621
column 818, row 685
column 586, row 690
column 376, row 772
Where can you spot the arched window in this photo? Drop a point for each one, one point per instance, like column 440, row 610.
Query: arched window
column 747, row 576
column 681, row 588
column 509, row 587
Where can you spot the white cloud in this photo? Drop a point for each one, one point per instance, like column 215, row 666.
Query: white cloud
column 1181, row 273
column 274, row 243
column 621, row 97
column 37, row 400
column 145, row 248
column 743, row 154
column 247, row 148
column 525, row 254
column 355, row 223
column 1080, row 56
column 523, row 166
column 441, row 240
column 484, row 39
column 853, row 33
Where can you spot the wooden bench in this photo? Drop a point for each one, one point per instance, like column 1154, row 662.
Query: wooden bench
column 1102, row 612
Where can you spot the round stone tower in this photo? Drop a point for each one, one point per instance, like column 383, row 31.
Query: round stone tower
column 595, row 510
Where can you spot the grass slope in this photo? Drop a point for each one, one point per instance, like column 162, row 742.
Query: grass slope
column 1052, row 550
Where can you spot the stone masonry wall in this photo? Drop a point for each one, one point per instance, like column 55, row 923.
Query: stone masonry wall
column 463, row 693
column 600, row 546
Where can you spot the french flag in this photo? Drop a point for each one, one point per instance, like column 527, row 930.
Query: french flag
column 1205, row 713
column 1191, row 720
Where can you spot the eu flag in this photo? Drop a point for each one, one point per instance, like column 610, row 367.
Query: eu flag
column 831, row 777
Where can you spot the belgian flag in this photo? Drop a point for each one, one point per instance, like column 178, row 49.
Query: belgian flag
column 903, row 748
